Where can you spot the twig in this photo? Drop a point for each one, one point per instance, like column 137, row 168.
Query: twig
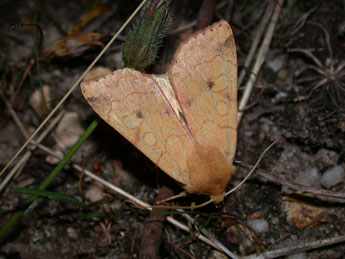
column 256, row 41
column 295, row 186
column 328, row 43
column 72, row 88
column 299, row 248
column 300, row 23
column 14, row 116
column 152, row 235
column 310, row 55
column 178, row 248
column 209, row 235
column 19, row 166
column 21, row 163
column 31, row 63
column 259, row 60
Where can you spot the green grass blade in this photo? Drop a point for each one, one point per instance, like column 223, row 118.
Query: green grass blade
column 51, row 195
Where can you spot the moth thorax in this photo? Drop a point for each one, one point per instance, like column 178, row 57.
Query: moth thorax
column 209, row 172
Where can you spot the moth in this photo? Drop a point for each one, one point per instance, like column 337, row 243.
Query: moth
column 185, row 121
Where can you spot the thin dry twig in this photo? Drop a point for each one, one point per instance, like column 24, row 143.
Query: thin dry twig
column 25, row 158
column 21, row 163
column 300, row 247
column 208, row 235
column 22, row 79
column 298, row 187
column 178, row 248
column 259, row 60
column 300, row 23
column 14, row 115
column 152, row 235
column 256, row 42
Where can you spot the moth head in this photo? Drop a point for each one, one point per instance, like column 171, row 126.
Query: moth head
column 217, row 198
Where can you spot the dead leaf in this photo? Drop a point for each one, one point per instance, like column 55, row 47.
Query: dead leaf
column 304, row 215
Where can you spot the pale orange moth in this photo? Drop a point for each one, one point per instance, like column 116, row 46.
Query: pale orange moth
column 186, row 120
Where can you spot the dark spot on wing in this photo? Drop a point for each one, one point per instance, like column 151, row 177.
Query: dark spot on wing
column 210, row 84
column 139, row 114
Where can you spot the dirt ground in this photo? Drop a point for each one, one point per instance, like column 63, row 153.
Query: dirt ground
column 299, row 94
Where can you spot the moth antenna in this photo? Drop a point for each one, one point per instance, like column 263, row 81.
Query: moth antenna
column 254, row 168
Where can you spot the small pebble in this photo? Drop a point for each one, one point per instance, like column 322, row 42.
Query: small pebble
column 309, row 177
column 325, row 158
column 72, row 233
column 216, row 255
column 276, row 63
column 258, row 225
column 94, row 192
column 275, row 220
column 333, row 176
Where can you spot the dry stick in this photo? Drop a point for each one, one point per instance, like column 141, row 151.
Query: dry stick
column 209, row 235
column 14, row 116
column 21, row 82
column 299, row 248
column 256, row 41
column 259, row 60
column 20, row 165
column 73, row 87
column 292, row 185
column 178, row 248
column 152, row 234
